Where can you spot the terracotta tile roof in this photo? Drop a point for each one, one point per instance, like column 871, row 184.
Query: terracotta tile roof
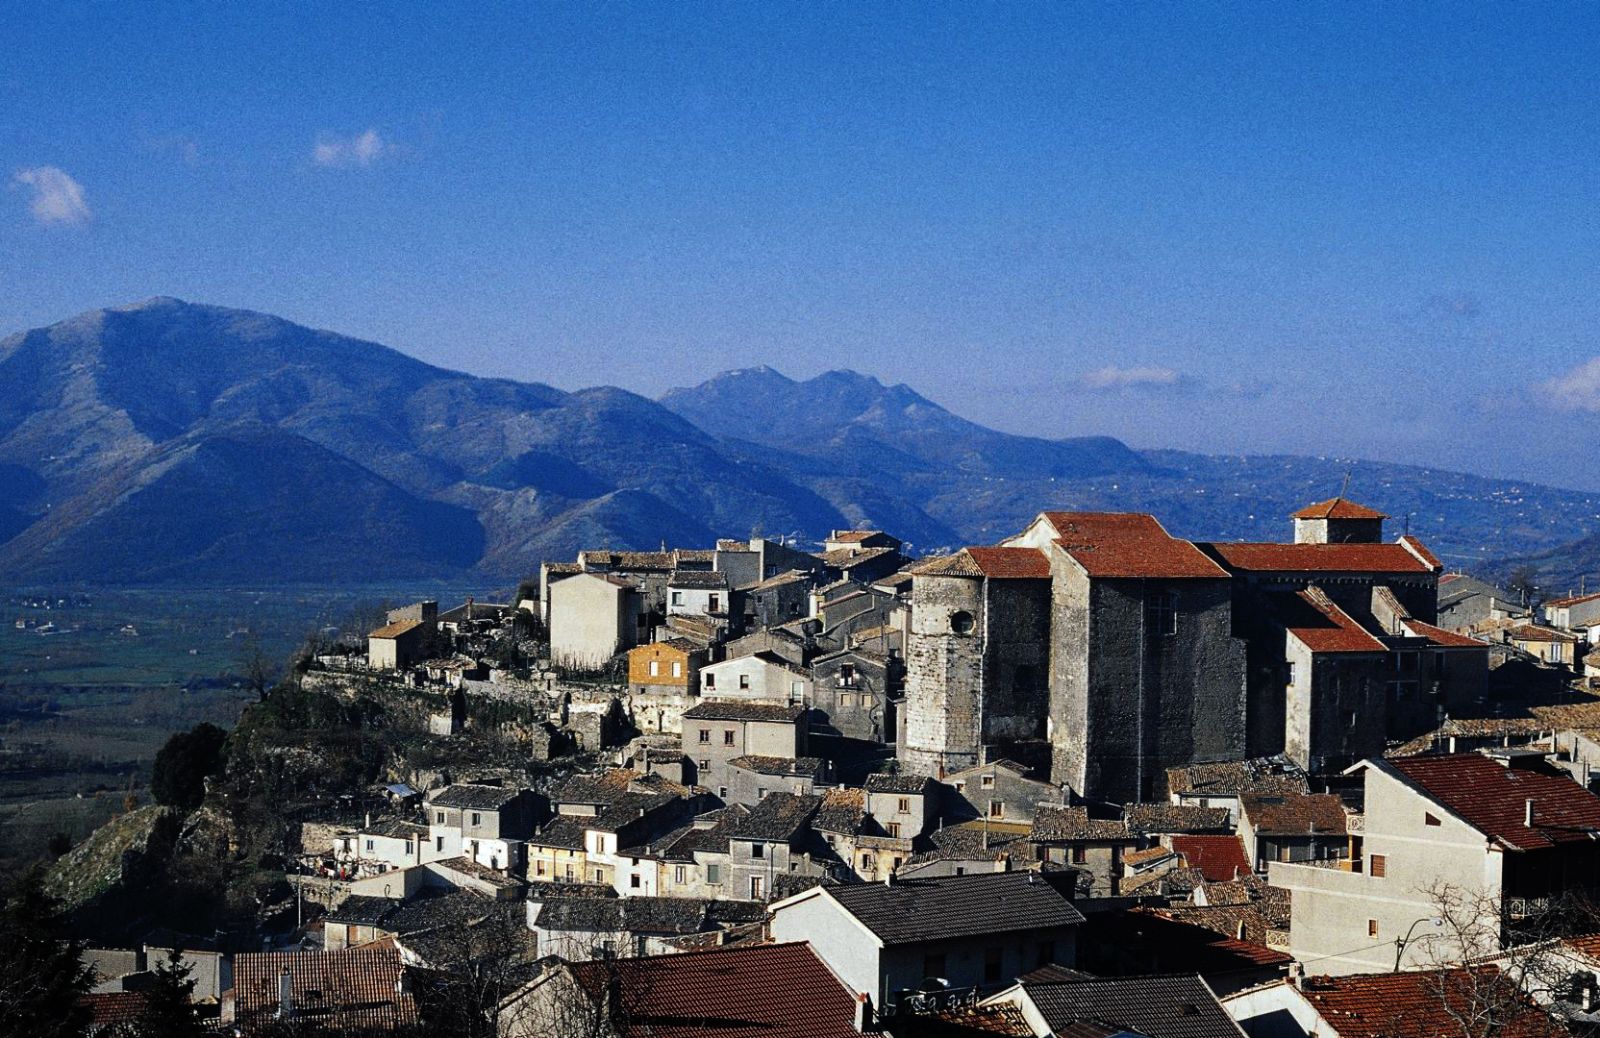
column 1218, row 858
column 1423, row 1004
column 1128, row 544
column 913, row 911
column 882, row 782
column 1337, row 508
column 842, row 811
column 1318, row 558
column 1492, row 799
column 1421, row 551
column 1327, row 628
column 1295, row 815
column 1001, row 1018
column 751, row 991
column 1441, row 637
column 350, row 989
column 114, row 1008
column 777, row 816
column 1558, row 603
column 1581, row 716
column 852, row 536
column 1536, row 633
column 1011, row 563
column 1165, row 944
column 396, row 629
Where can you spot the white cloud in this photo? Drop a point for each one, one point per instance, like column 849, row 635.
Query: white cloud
column 57, row 198
column 1113, row 378
column 343, row 152
column 1576, row 390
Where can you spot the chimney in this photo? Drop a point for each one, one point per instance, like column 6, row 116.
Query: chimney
column 285, row 995
column 1527, row 812
column 863, row 1012
column 1297, row 975
column 1238, row 930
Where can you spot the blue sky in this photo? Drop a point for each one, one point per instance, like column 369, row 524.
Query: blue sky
column 1329, row 229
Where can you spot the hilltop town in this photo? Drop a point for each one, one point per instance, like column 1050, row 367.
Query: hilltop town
column 1093, row 779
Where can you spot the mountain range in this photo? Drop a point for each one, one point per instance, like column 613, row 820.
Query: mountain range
column 171, row 442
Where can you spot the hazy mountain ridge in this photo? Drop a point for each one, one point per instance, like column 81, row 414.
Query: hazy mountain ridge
column 170, row 441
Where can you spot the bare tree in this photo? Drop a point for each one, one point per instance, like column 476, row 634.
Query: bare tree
column 1488, row 973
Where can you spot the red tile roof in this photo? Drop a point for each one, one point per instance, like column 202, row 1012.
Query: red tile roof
column 396, row 629
column 1296, row 815
column 1441, row 637
column 1319, row 558
column 1421, row 551
column 1424, row 1004
column 1219, row 858
column 1011, row 563
column 767, row 990
column 1324, row 627
column 1492, row 799
column 1535, row 633
column 1337, row 508
column 1572, row 601
column 113, row 1008
column 351, row 989
column 1128, row 545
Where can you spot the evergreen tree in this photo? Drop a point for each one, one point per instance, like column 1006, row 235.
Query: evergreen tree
column 169, row 1011
column 184, row 763
column 42, row 973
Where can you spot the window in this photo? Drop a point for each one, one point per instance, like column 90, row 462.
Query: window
column 727, row 737
column 997, row 808
column 744, row 681
column 599, row 877
column 438, row 843
column 993, row 965
column 761, row 792
column 1283, row 853
column 710, row 679
column 369, row 845
column 677, row 668
column 847, row 673
column 633, row 881
column 1289, row 680
column 987, row 782
column 758, row 850
column 713, row 873
column 866, row 863
column 1428, row 819
column 715, row 605
column 438, row 816
column 569, row 872
column 961, row 622
column 894, row 829
column 722, row 791
column 933, row 965
column 797, row 688
column 703, row 764
column 1379, row 867
column 538, row 868
column 1080, row 854
column 845, row 700
column 679, row 874
column 677, row 598
column 904, row 805
column 961, row 870
column 408, row 846
column 477, row 819
column 1372, row 928
column 655, row 668
column 758, row 888
column 705, row 735
column 1161, row 614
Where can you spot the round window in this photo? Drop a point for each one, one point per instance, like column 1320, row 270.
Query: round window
column 961, row 622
